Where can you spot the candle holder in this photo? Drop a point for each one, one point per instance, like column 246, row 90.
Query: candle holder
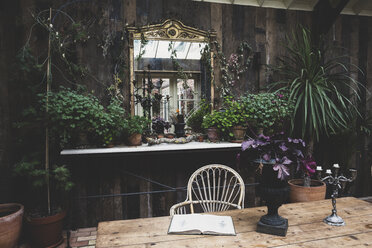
column 338, row 182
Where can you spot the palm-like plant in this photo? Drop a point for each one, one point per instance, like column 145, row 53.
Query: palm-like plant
column 320, row 85
column 317, row 84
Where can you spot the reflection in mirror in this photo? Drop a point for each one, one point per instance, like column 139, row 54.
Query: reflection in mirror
column 181, row 94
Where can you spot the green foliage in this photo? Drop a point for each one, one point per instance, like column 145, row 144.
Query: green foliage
column 36, row 174
column 195, row 120
column 136, row 124
column 316, row 82
column 265, row 110
column 270, row 111
column 71, row 113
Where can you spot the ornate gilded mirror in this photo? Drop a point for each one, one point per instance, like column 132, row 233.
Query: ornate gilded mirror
column 169, row 56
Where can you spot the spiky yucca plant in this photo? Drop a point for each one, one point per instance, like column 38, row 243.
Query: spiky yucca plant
column 320, row 85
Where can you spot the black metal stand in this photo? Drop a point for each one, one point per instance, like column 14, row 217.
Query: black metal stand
column 274, row 192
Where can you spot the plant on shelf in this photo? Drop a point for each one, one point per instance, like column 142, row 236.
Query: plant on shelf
column 316, row 83
column 195, row 119
column 270, row 112
column 134, row 127
column 159, row 124
column 72, row 114
column 178, row 120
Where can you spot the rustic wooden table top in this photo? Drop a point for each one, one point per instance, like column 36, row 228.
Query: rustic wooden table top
column 306, row 229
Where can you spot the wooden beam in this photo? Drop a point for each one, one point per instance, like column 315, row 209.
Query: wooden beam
column 288, row 3
column 325, row 14
column 359, row 6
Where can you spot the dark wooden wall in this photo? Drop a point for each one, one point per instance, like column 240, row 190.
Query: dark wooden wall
column 263, row 28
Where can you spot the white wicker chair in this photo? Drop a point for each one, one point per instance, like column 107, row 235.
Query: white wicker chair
column 212, row 188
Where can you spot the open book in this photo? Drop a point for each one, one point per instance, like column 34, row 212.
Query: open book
column 201, row 224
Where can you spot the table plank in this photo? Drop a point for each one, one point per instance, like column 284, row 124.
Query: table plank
column 305, row 228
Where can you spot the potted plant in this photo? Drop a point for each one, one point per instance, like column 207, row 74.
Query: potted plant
column 274, row 154
column 235, row 119
column 134, row 127
column 159, row 124
column 212, row 123
column 178, row 120
column 11, row 216
column 45, row 215
column 315, row 82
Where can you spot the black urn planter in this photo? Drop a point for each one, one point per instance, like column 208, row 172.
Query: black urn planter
column 274, row 192
column 179, row 129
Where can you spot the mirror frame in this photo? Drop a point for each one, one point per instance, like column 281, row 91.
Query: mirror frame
column 172, row 30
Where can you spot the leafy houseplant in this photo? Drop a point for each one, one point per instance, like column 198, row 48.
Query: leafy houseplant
column 315, row 82
column 279, row 151
column 44, row 227
column 275, row 154
column 195, row 120
column 134, row 127
column 268, row 111
column 159, row 124
column 72, row 113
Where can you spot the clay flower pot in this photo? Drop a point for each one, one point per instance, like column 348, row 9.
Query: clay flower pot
column 46, row 231
column 135, row 139
column 239, row 133
column 11, row 215
column 212, row 133
column 299, row 193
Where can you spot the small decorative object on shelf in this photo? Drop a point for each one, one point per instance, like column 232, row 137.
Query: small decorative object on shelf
column 337, row 181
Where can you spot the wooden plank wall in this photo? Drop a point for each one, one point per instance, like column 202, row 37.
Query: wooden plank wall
column 264, row 29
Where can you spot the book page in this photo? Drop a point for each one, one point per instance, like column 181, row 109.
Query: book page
column 182, row 223
column 214, row 224
column 201, row 223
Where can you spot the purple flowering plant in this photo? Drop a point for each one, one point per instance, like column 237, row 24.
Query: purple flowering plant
column 279, row 151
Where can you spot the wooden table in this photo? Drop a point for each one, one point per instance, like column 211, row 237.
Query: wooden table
column 306, row 229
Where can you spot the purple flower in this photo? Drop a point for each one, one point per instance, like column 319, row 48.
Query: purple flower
column 283, row 171
column 280, row 95
column 247, row 144
column 266, row 157
column 309, row 165
column 283, row 147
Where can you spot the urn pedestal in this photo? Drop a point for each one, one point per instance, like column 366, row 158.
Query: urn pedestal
column 274, row 192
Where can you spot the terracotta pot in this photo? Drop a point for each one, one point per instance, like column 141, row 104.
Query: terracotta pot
column 239, row 133
column 11, row 215
column 135, row 139
column 46, row 231
column 212, row 133
column 299, row 193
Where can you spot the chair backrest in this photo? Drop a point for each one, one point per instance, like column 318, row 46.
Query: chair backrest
column 215, row 188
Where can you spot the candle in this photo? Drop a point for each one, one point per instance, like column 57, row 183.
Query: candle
column 319, row 168
column 328, row 171
column 336, row 166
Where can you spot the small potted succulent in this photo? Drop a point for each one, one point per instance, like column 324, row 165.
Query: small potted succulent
column 134, row 127
column 159, row 124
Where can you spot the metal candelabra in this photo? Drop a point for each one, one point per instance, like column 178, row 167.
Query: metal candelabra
column 338, row 182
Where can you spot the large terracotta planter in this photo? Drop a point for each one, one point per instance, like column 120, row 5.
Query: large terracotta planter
column 135, row 139
column 299, row 193
column 11, row 215
column 46, row 231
